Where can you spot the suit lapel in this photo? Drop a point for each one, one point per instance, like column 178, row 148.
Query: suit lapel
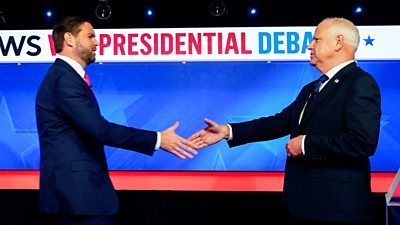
column 77, row 78
column 73, row 73
column 303, row 99
column 327, row 91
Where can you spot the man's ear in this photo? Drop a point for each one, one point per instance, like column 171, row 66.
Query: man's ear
column 69, row 39
column 339, row 42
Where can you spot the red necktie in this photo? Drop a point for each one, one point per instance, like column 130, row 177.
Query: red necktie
column 87, row 80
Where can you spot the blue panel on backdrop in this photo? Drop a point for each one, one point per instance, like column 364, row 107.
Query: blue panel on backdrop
column 155, row 95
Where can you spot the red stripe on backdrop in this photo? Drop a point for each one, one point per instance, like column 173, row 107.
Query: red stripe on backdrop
column 184, row 181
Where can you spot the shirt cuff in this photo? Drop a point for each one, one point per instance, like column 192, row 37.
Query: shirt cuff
column 158, row 143
column 302, row 145
column 230, row 132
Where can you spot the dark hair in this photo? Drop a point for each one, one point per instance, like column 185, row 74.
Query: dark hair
column 67, row 24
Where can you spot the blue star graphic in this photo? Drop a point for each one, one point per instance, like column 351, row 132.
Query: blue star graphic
column 369, row 41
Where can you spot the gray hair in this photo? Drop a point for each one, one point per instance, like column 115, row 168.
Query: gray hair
column 346, row 28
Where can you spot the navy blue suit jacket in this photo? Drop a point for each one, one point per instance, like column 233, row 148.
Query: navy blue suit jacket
column 74, row 175
column 332, row 180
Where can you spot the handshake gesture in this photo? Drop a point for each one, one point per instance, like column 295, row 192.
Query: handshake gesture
column 186, row 148
column 210, row 135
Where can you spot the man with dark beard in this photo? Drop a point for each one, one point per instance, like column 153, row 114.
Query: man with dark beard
column 75, row 187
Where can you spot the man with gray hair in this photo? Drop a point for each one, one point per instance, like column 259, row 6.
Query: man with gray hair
column 334, row 127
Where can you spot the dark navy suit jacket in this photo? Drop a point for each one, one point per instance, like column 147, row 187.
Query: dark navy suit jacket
column 332, row 180
column 74, row 175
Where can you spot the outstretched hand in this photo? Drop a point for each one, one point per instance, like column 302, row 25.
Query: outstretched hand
column 175, row 144
column 210, row 135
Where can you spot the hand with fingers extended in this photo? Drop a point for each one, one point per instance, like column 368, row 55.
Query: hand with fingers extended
column 175, row 144
column 210, row 135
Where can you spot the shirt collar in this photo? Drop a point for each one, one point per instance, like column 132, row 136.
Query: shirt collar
column 75, row 65
column 336, row 69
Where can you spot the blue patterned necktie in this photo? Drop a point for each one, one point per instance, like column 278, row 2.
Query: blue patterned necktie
column 322, row 79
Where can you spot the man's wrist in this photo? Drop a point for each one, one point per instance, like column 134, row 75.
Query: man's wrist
column 226, row 130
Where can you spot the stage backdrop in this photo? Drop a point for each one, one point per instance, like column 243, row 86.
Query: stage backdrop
column 150, row 78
